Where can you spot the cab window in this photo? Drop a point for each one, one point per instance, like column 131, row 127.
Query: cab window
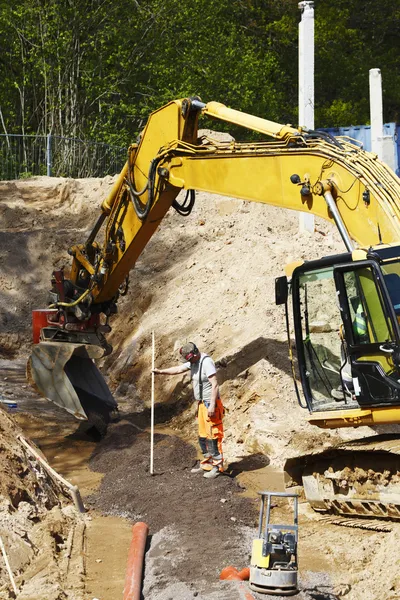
column 369, row 323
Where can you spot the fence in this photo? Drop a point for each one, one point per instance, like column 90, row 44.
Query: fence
column 28, row 155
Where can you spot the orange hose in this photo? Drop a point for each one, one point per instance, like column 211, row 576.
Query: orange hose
column 244, row 574
column 229, row 573
column 134, row 569
column 232, row 574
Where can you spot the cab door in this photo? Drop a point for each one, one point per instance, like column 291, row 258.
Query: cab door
column 370, row 334
column 318, row 326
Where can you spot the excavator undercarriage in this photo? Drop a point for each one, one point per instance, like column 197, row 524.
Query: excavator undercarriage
column 357, row 478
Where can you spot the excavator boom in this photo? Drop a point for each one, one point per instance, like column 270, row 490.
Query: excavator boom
column 297, row 170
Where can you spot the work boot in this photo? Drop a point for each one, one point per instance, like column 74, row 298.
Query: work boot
column 212, row 474
column 197, row 468
column 202, row 465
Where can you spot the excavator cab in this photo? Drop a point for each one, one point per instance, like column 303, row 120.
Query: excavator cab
column 347, row 333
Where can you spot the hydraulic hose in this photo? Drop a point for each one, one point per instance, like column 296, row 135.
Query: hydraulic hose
column 134, row 192
column 71, row 304
column 186, row 207
column 323, row 135
column 143, row 211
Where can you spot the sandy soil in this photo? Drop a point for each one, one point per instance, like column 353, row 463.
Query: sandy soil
column 208, row 278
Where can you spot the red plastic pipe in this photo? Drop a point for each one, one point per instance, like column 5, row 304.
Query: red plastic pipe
column 134, row 569
column 232, row 574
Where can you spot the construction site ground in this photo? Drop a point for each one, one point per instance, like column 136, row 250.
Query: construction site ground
column 208, row 278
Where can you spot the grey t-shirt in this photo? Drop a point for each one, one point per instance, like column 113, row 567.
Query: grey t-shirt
column 207, row 370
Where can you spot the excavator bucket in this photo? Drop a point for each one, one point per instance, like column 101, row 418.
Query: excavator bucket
column 66, row 374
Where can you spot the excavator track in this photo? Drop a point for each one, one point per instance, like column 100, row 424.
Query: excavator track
column 369, row 525
column 358, row 478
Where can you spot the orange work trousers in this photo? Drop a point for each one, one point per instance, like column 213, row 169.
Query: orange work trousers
column 211, row 428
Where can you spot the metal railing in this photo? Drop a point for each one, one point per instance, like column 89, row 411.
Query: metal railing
column 28, row 155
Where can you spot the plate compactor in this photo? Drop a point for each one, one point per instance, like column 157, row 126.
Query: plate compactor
column 273, row 568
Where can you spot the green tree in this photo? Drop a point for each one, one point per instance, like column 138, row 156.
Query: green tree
column 94, row 69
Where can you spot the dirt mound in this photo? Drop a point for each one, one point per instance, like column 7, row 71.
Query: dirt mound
column 210, row 278
column 40, row 219
column 39, row 527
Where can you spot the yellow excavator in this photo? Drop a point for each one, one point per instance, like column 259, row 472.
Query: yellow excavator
column 346, row 308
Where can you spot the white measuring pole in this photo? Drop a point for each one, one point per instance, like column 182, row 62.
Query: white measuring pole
column 152, row 407
column 10, row 574
column 306, row 86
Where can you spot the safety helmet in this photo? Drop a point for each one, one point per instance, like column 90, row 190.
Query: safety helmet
column 189, row 351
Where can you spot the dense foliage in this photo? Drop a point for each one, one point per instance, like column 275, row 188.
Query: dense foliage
column 91, row 68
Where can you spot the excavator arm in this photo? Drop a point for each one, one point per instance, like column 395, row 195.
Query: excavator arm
column 291, row 168
column 311, row 172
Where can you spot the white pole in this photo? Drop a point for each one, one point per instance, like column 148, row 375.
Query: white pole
column 152, row 407
column 383, row 145
column 306, row 85
column 3, row 551
column 376, row 111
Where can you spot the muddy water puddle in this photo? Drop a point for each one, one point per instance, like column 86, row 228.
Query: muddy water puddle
column 261, row 480
column 15, row 387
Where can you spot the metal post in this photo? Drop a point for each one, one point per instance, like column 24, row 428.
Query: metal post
column 306, row 85
column 383, row 145
column 268, row 517
column 48, row 155
column 152, row 407
column 376, row 110
column 260, row 518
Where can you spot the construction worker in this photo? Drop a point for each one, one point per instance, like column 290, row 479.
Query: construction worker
column 210, row 409
column 360, row 326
